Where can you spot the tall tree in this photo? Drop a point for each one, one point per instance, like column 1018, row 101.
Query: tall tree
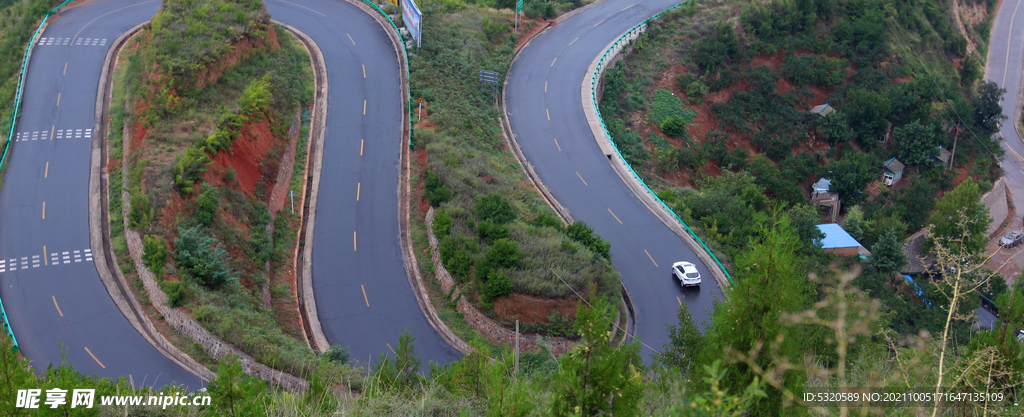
column 866, row 112
column 596, row 378
column 960, row 220
column 851, row 175
column 887, row 254
column 685, row 343
column 987, row 111
column 916, row 142
column 768, row 285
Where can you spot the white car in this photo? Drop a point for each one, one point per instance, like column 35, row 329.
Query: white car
column 686, row 273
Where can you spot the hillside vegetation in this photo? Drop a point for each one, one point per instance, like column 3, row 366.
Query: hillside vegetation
column 217, row 100
column 502, row 243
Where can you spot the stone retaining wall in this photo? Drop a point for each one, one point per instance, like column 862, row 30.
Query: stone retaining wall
column 489, row 328
column 181, row 322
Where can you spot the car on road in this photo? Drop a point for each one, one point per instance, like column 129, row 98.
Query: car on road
column 686, row 273
column 1011, row 239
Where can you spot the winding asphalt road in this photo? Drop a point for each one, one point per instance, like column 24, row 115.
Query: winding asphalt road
column 1005, row 62
column 51, row 290
column 546, row 114
column 363, row 295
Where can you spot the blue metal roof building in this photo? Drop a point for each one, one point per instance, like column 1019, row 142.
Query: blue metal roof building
column 838, row 241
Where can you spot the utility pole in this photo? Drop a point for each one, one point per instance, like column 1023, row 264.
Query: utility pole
column 956, row 135
column 516, row 372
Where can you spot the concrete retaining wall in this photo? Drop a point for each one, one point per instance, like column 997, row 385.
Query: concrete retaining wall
column 998, row 208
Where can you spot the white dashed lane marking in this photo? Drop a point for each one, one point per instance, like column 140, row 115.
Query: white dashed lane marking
column 57, row 134
column 56, row 258
column 67, row 41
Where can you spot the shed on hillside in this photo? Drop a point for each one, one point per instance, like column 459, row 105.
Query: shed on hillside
column 943, row 157
column 820, row 195
column 892, row 172
column 822, row 109
column 839, row 242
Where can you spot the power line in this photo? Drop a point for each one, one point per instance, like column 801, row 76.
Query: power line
column 588, row 305
column 939, row 90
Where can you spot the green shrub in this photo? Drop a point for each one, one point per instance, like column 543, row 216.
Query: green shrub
column 435, row 190
column 504, row 253
column 154, row 254
column 547, row 220
column 189, row 168
column 559, row 325
column 202, row 313
column 491, row 232
column 696, row 91
column 455, row 259
column 580, row 232
column 496, row 208
column 175, row 291
column 256, row 98
column 442, row 223
column 338, row 354
column 819, row 70
column 674, row 126
column 202, row 256
column 498, row 285
column 141, row 213
column 207, row 207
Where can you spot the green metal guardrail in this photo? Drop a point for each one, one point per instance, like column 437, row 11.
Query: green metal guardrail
column 14, row 120
column 405, row 51
column 620, row 43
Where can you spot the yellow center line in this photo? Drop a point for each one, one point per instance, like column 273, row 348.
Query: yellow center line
column 364, row 106
column 553, row 61
column 65, row 68
column 581, row 178
column 304, row 7
column 652, row 258
column 364, row 295
column 94, row 358
column 58, row 99
column 598, row 23
column 58, row 307
column 46, row 172
column 626, row 8
column 45, row 261
column 51, row 131
column 354, row 246
column 358, row 187
column 361, row 146
column 547, row 112
column 574, row 41
column 616, row 217
column 1019, row 158
column 350, row 38
column 44, row 210
column 545, row 86
column 389, row 347
column 364, row 71
column 556, row 144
